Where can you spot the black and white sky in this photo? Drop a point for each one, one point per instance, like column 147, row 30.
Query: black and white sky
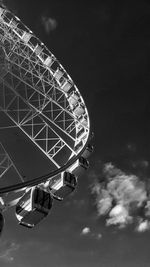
column 105, row 48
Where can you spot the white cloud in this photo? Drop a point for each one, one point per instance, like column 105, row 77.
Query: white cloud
column 147, row 209
column 49, row 24
column 104, row 202
column 120, row 197
column 143, row 226
column 119, row 215
column 85, row 231
column 127, row 189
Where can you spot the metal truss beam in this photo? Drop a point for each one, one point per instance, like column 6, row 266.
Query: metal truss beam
column 6, row 163
column 37, row 93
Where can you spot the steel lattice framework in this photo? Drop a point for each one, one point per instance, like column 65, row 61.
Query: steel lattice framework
column 6, row 163
column 37, row 94
column 40, row 98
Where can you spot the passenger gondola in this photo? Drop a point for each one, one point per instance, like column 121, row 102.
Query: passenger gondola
column 63, row 185
column 88, row 150
column 33, row 207
column 79, row 166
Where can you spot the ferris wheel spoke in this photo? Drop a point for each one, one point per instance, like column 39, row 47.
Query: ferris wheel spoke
column 6, row 163
column 17, row 108
column 50, row 143
column 61, row 122
column 36, row 73
column 52, row 109
column 40, row 97
column 22, row 109
column 34, row 96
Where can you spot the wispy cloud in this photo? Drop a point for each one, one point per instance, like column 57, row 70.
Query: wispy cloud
column 7, row 250
column 86, row 231
column 121, row 198
column 49, row 24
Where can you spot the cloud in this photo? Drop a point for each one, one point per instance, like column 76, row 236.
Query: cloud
column 143, row 226
column 7, row 249
column 98, row 236
column 85, row 231
column 49, row 24
column 122, row 198
column 119, row 215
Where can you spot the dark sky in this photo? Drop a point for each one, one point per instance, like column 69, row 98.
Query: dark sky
column 105, row 47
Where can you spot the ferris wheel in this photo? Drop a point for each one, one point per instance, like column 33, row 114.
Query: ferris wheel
column 43, row 102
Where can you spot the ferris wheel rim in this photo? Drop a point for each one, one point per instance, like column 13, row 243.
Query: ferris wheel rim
column 44, row 178
column 70, row 117
column 73, row 103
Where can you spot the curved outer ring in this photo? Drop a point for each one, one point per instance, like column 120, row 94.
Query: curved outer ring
column 42, row 178
column 45, row 177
